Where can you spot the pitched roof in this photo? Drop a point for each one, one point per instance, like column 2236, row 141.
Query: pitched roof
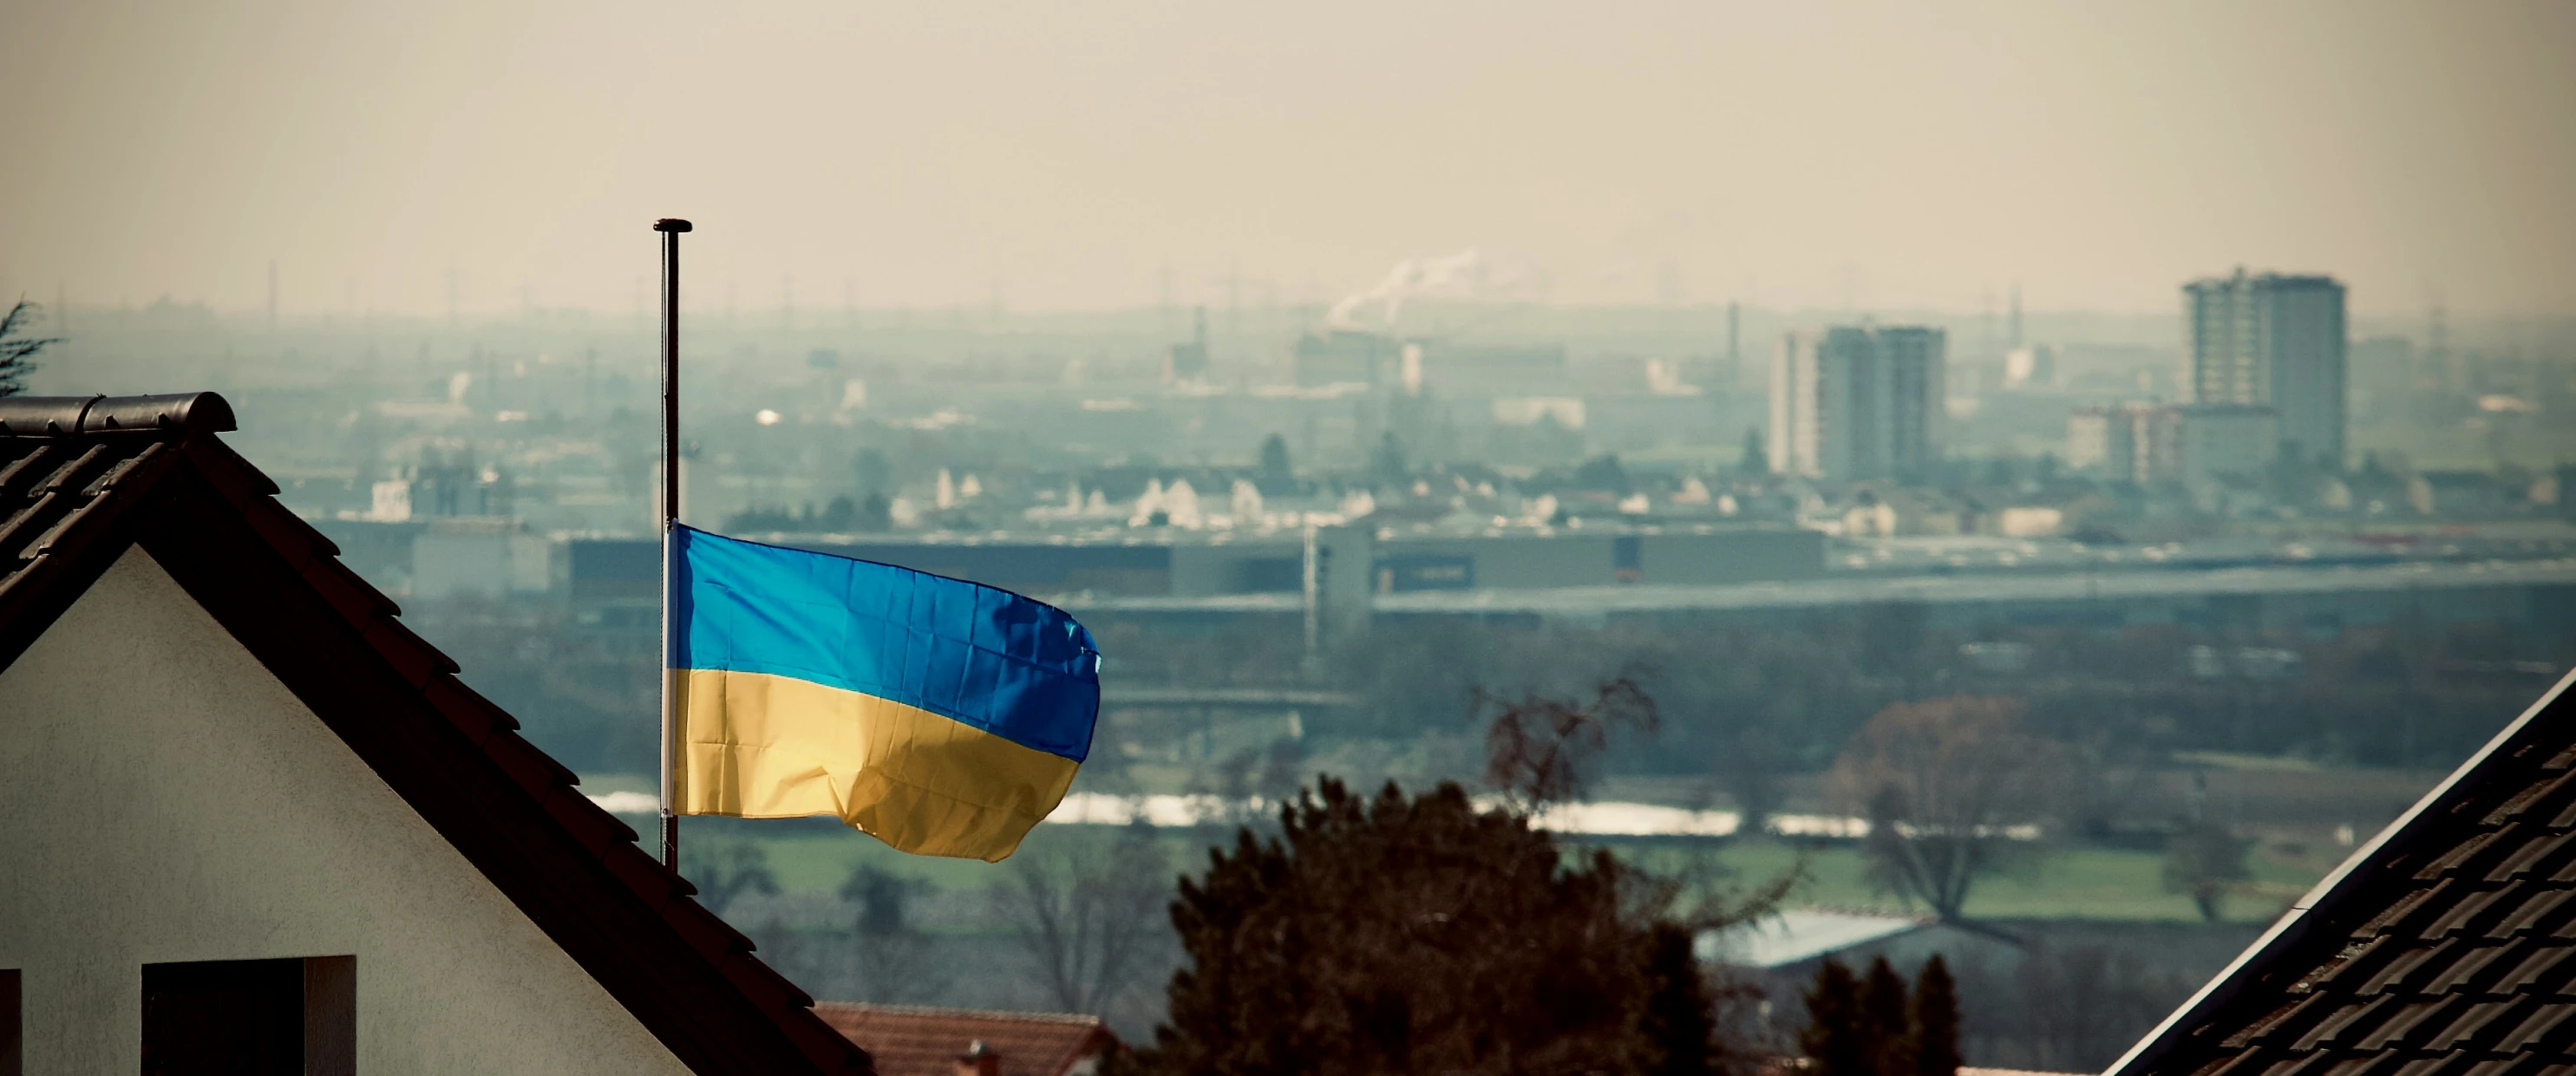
column 2446, row 944
column 84, row 480
column 914, row 1040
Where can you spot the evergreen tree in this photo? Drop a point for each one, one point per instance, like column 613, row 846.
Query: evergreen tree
column 1679, row 1020
column 1936, row 1021
column 1833, row 1036
column 1756, row 459
column 1883, row 1031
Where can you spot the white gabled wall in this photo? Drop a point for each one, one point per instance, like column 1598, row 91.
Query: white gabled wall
column 163, row 798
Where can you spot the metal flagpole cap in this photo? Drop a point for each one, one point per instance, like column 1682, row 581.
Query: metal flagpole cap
column 670, row 224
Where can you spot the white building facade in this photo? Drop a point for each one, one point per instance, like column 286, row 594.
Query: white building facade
column 1857, row 402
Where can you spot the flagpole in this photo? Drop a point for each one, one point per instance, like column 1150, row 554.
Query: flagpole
column 671, row 228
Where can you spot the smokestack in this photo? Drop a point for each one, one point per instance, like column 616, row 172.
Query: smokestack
column 2016, row 319
column 1734, row 340
column 272, row 296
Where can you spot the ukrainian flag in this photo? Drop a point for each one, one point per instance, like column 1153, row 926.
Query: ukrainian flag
column 944, row 717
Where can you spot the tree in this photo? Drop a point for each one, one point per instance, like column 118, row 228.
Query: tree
column 1680, row 1017
column 875, row 475
column 874, row 515
column 2206, row 860
column 1935, row 1020
column 1602, row 473
column 18, row 351
column 1090, row 924
column 1944, row 783
column 1388, row 461
column 1755, row 459
column 1886, row 1041
column 1538, row 746
column 893, row 959
column 1276, row 473
column 1402, row 934
column 1869, row 1026
column 1431, row 933
column 725, row 867
column 1833, row 1039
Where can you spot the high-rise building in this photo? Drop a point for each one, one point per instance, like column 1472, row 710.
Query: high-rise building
column 2273, row 341
column 1857, row 402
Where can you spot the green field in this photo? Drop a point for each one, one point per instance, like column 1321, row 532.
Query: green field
column 2064, row 882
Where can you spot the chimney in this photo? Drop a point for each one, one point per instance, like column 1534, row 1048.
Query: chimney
column 979, row 1060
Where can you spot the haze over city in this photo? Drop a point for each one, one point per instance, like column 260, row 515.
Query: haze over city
column 1857, row 156
column 1668, row 539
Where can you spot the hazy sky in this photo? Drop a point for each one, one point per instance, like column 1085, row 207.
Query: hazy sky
column 1068, row 154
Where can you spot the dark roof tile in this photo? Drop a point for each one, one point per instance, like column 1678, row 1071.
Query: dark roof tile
column 2469, row 907
column 2534, row 969
column 2293, row 1015
column 471, row 713
column 2397, row 971
column 2545, row 794
column 2535, row 909
column 2406, row 1024
column 2473, row 1021
column 2532, row 853
column 2358, row 962
column 411, row 655
column 594, row 828
column 644, row 874
column 2423, row 1066
column 2469, row 965
column 535, row 771
column 711, row 936
column 2542, row 1025
column 2499, row 1066
column 2395, row 918
column 770, row 990
column 2341, row 1027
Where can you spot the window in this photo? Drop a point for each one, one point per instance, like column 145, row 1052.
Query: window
column 250, row 1017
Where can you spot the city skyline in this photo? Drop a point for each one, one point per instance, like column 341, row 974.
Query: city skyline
column 2095, row 158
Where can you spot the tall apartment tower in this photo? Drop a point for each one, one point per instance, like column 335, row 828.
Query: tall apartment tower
column 2272, row 341
column 1857, row 402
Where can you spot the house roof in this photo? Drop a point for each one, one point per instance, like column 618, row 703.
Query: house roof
column 914, row 1040
column 83, row 480
column 2441, row 946
column 1792, row 935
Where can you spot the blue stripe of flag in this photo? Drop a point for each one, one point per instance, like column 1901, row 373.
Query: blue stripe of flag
column 993, row 660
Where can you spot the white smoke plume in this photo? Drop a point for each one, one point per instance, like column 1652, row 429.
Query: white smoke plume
column 1468, row 274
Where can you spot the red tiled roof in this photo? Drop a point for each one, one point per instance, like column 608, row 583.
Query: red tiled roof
column 2445, row 945
column 82, row 480
column 912, row 1040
